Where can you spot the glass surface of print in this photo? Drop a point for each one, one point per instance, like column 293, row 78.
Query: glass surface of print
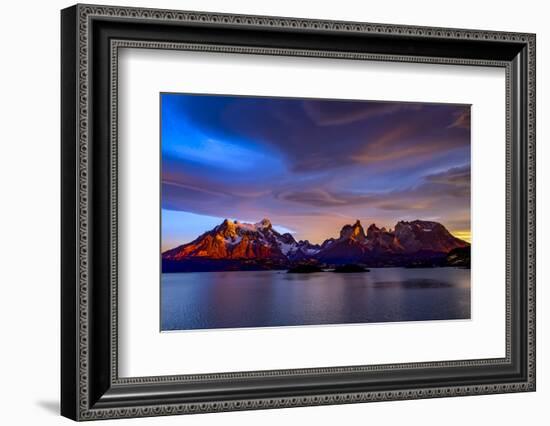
column 291, row 211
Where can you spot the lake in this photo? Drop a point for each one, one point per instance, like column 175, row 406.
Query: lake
column 207, row 300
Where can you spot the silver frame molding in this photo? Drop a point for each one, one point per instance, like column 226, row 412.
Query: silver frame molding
column 91, row 387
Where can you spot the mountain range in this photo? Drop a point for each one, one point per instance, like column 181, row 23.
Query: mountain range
column 234, row 245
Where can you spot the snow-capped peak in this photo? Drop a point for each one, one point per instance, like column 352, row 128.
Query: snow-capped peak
column 263, row 224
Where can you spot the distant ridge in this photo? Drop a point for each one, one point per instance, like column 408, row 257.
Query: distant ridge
column 234, row 245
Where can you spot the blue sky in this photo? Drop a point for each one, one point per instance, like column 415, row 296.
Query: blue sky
column 311, row 165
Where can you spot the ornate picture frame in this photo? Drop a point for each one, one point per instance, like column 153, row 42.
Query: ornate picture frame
column 91, row 37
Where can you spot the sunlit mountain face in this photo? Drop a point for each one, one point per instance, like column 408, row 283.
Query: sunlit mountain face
column 311, row 165
column 237, row 246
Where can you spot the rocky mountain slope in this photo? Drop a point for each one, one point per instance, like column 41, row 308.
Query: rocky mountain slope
column 233, row 245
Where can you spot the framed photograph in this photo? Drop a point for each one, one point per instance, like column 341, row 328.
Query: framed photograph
column 263, row 212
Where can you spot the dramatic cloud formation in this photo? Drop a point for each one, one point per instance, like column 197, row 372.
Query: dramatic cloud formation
column 311, row 166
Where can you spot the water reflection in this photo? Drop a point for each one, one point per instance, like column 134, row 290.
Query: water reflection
column 275, row 298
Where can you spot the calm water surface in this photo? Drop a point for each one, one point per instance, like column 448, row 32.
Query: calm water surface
column 205, row 300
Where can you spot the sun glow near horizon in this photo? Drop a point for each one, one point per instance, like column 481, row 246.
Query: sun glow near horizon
column 463, row 235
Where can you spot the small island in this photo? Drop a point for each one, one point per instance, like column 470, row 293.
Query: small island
column 350, row 268
column 304, row 269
